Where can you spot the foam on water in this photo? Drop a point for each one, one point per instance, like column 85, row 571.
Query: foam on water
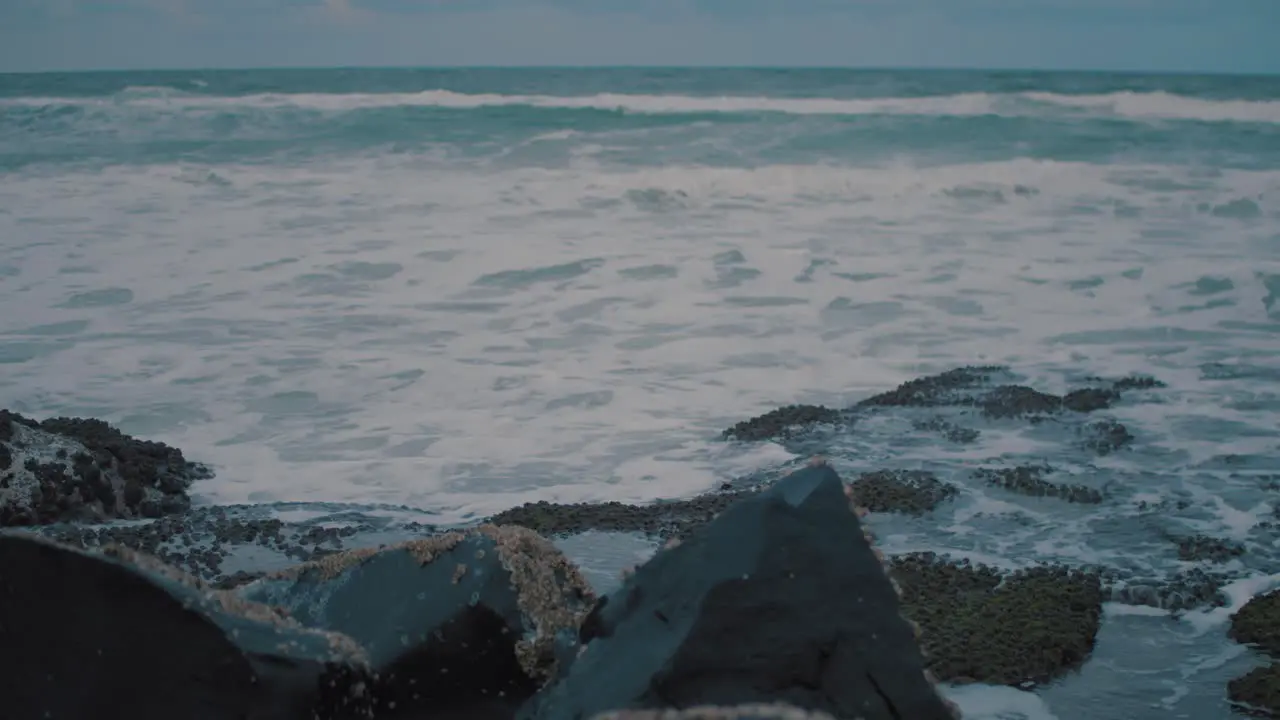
column 392, row 331
column 1129, row 105
column 463, row 325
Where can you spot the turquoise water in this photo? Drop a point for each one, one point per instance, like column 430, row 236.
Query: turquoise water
column 759, row 116
column 461, row 290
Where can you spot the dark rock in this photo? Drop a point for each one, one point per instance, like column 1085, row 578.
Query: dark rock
column 83, row 632
column 947, row 388
column 905, row 491
column 451, row 621
column 1203, row 547
column 949, row 430
column 1105, row 436
column 1087, row 400
column 716, row 712
column 662, row 519
column 69, row 469
column 783, row 422
column 1009, row 401
column 755, row 607
column 1029, row 480
column 978, row 624
column 1258, row 623
column 987, row 388
column 1257, row 693
column 1137, row 382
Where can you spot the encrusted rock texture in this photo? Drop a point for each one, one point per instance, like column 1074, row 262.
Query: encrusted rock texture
column 1258, row 624
column 743, row 614
column 72, row 469
column 779, row 598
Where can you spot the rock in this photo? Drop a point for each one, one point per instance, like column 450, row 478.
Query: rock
column 782, row 422
column 1087, row 400
column 1105, row 436
column 906, row 491
column 1203, row 547
column 987, row 388
column 1257, row 693
column 1029, row 480
column 951, row 431
column 953, row 387
column 662, row 519
column 116, row 629
column 464, row 622
column 779, row 599
column 1010, row 401
column 1258, row 624
column 1137, row 382
column 978, row 624
column 70, row 469
column 713, row 712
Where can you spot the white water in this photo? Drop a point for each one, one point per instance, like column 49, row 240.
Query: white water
column 380, row 331
column 1126, row 104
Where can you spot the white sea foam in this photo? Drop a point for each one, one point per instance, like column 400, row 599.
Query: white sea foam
column 1126, row 104
column 362, row 330
column 989, row 702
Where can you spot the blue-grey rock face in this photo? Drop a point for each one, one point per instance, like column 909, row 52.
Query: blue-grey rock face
column 779, row 599
column 450, row 622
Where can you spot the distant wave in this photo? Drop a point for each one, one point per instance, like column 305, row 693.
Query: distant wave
column 1131, row 105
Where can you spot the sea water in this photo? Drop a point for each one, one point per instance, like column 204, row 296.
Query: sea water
column 462, row 290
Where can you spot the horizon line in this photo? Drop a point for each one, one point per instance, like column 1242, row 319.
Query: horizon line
column 854, row 68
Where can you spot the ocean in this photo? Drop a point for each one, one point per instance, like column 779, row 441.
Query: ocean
column 460, row 290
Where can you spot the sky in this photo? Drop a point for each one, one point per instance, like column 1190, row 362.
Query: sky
column 1157, row 35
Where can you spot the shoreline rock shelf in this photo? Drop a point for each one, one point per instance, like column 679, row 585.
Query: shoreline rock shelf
column 780, row 598
column 743, row 614
column 73, row 469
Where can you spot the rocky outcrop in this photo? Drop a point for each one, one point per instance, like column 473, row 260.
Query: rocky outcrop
column 906, row 491
column 1029, row 480
column 749, row 610
column 1258, row 624
column 1208, row 549
column 72, row 469
column 780, row 598
column 463, row 622
column 776, row 711
column 979, row 624
column 661, row 519
column 83, row 632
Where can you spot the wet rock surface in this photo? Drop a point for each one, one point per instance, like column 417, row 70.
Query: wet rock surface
column 74, row 469
column 1211, row 549
column 904, row 491
column 775, row 711
column 784, row 421
column 662, row 519
column 115, row 629
column 949, row 430
column 229, row 545
column 464, row 620
column 1258, row 624
column 979, row 624
column 785, row 563
column 1029, row 480
column 911, row 454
